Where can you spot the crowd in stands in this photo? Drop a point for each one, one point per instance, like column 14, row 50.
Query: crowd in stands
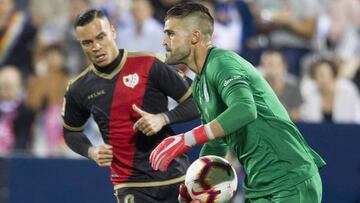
column 307, row 50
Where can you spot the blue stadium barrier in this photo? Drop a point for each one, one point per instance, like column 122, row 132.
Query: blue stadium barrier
column 339, row 145
column 35, row 180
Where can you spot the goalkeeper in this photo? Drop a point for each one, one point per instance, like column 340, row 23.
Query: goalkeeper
column 239, row 111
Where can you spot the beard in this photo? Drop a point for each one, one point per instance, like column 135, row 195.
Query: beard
column 177, row 56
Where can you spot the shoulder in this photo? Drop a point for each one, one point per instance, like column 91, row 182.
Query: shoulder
column 153, row 62
column 140, row 54
column 345, row 85
column 76, row 82
column 222, row 56
column 221, row 60
column 217, row 53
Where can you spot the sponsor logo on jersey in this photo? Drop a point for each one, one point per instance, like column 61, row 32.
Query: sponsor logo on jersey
column 131, row 80
column 227, row 81
column 96, row 94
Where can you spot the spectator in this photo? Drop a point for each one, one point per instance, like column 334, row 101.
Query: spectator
column 248, row 43
column 74, row 56
column 227, row 25
column 161, row 6
column 289, row 25
column 45, row 97
column 15, row 118
column 284, row 84
column 329, row 98
column 139, row 31
column 338, row 34
column 112, row 9
column 17, row 36
column 338, row 28
column 50, row 18
column 356, row 78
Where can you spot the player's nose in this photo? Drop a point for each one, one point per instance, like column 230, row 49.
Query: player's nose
column 96, row 46
column 165, row 43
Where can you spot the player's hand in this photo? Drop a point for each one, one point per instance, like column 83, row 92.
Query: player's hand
column 102, row 154
column 168, row 150
column 149, row 124
column 184, row 196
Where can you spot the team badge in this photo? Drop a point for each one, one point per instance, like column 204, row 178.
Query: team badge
column 131, row 80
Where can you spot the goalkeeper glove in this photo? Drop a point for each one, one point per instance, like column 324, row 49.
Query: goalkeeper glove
column 173, row 146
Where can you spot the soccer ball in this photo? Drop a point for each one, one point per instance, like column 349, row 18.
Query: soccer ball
column 211, row 179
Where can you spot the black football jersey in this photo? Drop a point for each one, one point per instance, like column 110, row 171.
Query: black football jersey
column 139, row 79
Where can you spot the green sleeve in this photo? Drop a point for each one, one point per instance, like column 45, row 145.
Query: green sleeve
column 214, row 147
column 232, row 83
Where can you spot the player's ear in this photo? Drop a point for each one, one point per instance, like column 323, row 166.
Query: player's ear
column 196, row 36
column 113, row 31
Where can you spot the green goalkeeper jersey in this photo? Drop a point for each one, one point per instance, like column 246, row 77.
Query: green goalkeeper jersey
column 258, row 129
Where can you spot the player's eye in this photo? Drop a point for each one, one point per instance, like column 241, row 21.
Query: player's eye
column 86, row 43
column 101, row 37
column 169, row 34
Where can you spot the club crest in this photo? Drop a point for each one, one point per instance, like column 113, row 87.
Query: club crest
column 131, row 80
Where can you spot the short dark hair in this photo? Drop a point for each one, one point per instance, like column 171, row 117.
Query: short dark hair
column 88, row 16
column 54, row 47
column 332, row 64
column 185, row 9
column 274, row 50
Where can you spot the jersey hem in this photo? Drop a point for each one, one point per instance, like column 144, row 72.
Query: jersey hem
column 283, row 186
column 150, row 184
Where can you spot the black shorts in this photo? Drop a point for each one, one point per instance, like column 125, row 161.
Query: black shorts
column 159, row 194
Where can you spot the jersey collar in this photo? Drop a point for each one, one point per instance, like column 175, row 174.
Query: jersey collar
column 206, row 60
column 113, row 68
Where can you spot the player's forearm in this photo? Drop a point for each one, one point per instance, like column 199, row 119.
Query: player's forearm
column 185, row 111
column 78, row 142
column 241, row 108
column 305, row 28
column 235, row 117
column 216, row 129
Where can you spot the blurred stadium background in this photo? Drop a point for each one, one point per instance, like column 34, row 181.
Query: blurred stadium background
column 307, row 50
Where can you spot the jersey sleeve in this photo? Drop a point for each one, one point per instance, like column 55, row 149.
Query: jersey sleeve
column 232, row 84
column 171, row 81
column 74, row 116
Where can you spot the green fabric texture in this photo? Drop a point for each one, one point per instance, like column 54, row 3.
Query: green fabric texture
column 305, row 192
column 258, row 129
